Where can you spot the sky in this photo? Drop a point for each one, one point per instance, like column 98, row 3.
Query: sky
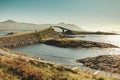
column 93, row 15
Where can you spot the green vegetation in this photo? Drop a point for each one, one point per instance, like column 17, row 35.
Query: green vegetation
column 40, row 35
column 48, row 33
column 11, row 33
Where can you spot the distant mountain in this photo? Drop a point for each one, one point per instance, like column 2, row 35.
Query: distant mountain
column 11, row 25
column 70, row 26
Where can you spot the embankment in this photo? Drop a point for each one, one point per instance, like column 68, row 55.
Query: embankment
column 22, row 39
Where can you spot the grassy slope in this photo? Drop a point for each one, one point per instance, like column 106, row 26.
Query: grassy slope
column 48, row 33
column 15, row 68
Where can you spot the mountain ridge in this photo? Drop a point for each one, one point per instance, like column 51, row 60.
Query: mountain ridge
column 19, row 26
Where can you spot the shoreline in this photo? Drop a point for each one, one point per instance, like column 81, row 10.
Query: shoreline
column 109, row 63
column 23, row 39
column 69, row 43
column 50, row 37
column 75, row 70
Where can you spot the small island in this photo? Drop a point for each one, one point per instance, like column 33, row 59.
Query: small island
column 69, row 32
column 67, row 43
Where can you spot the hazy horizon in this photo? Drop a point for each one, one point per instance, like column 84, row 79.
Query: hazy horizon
column 92, row 15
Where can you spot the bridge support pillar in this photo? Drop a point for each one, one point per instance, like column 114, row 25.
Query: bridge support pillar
column 63, row 31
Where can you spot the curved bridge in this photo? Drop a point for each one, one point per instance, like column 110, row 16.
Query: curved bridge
column 63, row 29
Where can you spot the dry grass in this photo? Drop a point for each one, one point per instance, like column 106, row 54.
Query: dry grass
column 16, row 68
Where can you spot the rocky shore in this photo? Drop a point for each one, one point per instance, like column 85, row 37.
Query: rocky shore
column 22, row 39
column 109, row 63
column 18, row 66
column 48, row 36
column 68, row 32
column 67, row 43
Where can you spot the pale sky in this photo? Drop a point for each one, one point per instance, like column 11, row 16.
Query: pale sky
column 96, row 15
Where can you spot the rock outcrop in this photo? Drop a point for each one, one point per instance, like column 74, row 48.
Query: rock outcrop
column 67, row 43
column 108, row 63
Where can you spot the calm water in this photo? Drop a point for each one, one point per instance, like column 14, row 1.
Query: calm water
column 3, row 33
column 68, row 56
column 111, row 39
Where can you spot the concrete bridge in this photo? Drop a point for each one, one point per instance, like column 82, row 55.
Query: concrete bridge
column 63, row 29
